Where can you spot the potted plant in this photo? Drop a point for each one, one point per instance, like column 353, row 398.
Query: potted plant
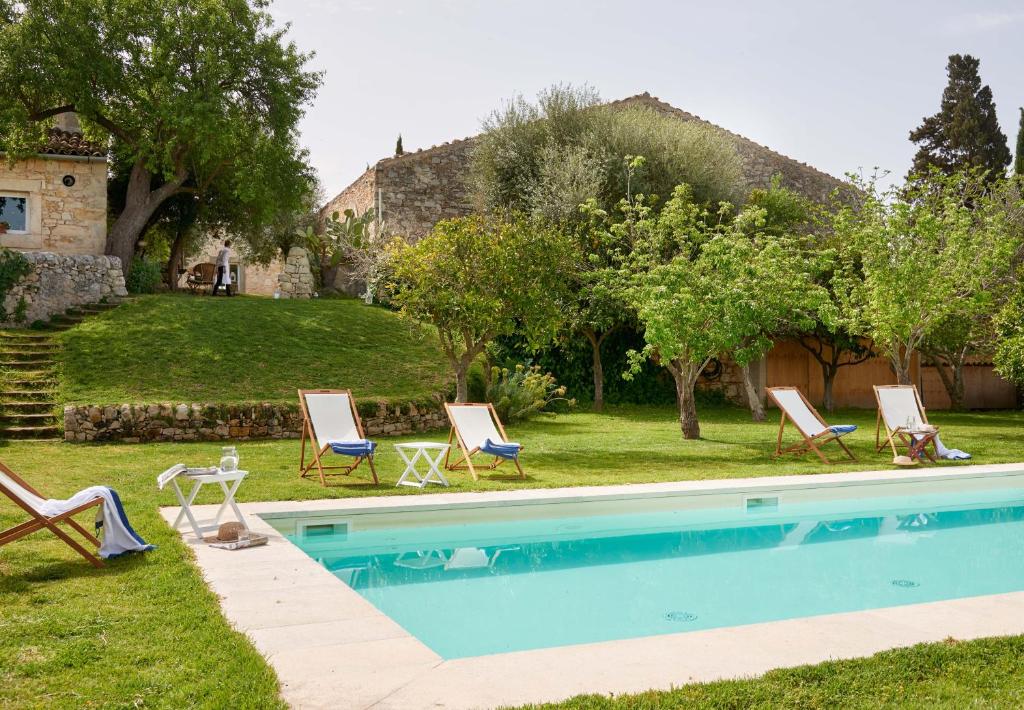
column 4, row 226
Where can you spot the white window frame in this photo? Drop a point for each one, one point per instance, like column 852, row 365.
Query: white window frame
column 28, row 210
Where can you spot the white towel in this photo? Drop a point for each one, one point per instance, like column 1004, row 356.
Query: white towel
column 949, row 454
column 118, row 535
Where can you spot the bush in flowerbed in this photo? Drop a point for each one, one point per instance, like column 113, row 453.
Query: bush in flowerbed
column 520, row 393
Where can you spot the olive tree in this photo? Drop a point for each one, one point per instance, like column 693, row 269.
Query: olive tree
column 477, row 278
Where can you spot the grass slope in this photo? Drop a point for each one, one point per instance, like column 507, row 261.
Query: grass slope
column 182, row 348
column 146, row 631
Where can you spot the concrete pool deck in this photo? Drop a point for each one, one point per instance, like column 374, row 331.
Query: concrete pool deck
column 333, row 649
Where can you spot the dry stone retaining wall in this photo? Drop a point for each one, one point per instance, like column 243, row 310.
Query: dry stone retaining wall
column 135, row 423
column 58, row 282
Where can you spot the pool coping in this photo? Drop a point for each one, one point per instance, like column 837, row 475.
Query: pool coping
column 294, row 611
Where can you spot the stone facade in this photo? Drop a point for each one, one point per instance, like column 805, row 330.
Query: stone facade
column 62, row 219
column 296, row 281
column 247, row 276
column 412, row 192
column 58, row 282
column 137, row 423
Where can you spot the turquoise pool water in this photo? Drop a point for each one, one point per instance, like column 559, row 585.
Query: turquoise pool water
column 480, row 588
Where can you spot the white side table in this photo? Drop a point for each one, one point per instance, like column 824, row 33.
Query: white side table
column 411, row 453
column 220, row 478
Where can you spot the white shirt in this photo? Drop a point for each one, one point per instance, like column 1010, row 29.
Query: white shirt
column 224, row 257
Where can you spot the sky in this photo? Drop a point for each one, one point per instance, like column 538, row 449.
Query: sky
column 838, row 85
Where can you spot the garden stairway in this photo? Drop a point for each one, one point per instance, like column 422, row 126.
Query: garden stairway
column 28, row 382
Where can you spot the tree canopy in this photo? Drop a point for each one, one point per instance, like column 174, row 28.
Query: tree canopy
column 193, row 94
column 477, row 278
column 965, row 132
column 548, row 157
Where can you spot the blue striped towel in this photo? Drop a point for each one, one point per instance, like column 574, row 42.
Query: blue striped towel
column 508, row 450
column 358, row 447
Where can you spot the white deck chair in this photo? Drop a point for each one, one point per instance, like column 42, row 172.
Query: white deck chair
column 330, row 416
column 898, row 406
column 813, row 429
column 31, row 501
column 472, row 425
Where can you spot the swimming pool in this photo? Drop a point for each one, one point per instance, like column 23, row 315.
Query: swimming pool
column 469, row 581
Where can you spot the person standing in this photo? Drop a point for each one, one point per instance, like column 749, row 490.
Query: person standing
column 223, row 269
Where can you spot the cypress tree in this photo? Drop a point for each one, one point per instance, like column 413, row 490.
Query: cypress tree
column 965, row 132
column 1018, row 165
column 399, row 150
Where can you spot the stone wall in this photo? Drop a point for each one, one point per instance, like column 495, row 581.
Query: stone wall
column 296, row 281
column 59, row 282
column 66, row 220
column 358, row 197
column 136, row 423
column 414, row 190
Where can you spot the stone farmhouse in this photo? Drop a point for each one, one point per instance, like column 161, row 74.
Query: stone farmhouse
column 411, row 192
column 56, row 201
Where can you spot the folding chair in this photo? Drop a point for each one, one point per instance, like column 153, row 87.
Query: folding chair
column 31, row 501
column 331, row 423
column 476, row 428
column 813, row 429
column 901, row 412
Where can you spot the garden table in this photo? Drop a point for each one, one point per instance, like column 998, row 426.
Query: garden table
column 422, row 450
column 919, row 439
column 220, row 478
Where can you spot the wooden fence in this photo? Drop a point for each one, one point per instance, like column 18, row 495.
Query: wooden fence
column 790, row 364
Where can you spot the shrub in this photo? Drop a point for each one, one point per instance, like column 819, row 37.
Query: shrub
column 520, row 393
column 13, row 266
column 144, row 276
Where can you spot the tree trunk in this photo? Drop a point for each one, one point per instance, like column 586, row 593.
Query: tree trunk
column 901, row 364
column 176, row 260
column 598, row 368
column 685, row 380
column 952, row 381
column 828, row 381
column 756, row 406
column 141, row 201
column 461, row 383
column 957, row 396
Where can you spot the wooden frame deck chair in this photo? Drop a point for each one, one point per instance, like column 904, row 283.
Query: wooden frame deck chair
column 898, row 404
column 331, row 424
column 814, row 430
column 31, row 501
column 477, row 429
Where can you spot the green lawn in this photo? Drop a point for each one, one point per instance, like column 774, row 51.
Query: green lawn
column 146, row 632
column 184, row 348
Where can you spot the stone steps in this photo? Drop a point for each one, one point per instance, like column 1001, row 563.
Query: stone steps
column 48, row 433
column 28, row 407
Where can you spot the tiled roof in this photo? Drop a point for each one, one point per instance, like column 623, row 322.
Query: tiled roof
column 60, row 142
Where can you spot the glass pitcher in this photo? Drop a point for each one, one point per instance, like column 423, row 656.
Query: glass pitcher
column 228, row 459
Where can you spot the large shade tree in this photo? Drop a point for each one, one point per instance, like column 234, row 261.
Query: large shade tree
column 193, row 94
column 477, row 278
